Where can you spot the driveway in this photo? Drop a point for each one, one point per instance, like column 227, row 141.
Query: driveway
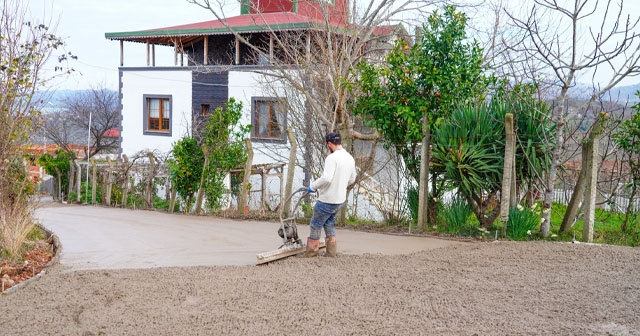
column 110, row 238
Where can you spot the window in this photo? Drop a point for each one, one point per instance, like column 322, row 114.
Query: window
column 157, row 115
column 205, row 109
column 269, row 119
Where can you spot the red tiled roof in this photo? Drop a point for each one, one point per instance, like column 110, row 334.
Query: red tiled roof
column 247, row 20
column 112, row 133
column 246, row 23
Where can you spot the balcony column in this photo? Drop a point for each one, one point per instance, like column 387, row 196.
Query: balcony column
column 271, row 37
column 121, row 53
column 206, row 50
column 308, row 46
column 237, row 50
column 175, row 52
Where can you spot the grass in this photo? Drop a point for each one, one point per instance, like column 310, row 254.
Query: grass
column 606, row 228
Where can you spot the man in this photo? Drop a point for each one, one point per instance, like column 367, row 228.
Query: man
column 339, row 172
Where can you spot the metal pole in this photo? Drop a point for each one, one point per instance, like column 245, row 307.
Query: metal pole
column 88, row 149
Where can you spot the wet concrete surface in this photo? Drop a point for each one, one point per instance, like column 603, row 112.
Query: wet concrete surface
column 110, row 238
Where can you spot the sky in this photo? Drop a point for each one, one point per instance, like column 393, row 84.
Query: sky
column 83, row 23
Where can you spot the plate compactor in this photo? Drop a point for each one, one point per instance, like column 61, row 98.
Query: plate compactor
column 291, row 242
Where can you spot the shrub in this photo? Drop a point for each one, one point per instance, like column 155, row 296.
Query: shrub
column 522, row 221
column 455, row 216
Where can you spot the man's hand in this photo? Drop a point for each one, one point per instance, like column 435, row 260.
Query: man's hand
column 309, row 190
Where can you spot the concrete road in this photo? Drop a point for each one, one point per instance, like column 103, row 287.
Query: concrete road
column 110, row 238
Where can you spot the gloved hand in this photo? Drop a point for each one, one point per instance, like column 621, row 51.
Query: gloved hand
column 309, row 190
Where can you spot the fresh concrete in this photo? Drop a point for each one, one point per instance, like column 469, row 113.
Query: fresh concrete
column 109, row 238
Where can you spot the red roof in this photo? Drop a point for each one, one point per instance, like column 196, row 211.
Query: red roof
column 247, row 20
column 112, row 133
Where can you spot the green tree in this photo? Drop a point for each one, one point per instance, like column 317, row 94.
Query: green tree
column 224, row 137
column 186, row 166
column 61, row 162
column 424, row 80
column 627, row 138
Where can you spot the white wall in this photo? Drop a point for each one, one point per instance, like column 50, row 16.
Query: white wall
column 135, row 84
column 242, row 86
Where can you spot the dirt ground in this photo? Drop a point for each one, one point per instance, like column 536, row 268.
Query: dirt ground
column 501, row 288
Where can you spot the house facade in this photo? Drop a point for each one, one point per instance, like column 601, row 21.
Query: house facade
column 160, row 104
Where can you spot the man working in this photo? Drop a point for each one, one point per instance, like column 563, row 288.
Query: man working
column 339, row 172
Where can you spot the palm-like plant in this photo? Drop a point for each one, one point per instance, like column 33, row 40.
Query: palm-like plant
column 468, row 149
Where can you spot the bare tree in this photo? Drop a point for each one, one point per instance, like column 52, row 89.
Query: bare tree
column 323, row 61
column 563, row 43
column 102, row 105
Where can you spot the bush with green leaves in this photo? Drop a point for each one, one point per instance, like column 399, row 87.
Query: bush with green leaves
column 223, row 138
column 455, row 216
column 59, row 162
column 522, row 222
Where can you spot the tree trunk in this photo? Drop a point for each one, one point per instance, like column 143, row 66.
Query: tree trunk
column 203, row 177
column 625, row 223
column 423, row 183
column 286, row 208
column 558, row 119
column 578, row 192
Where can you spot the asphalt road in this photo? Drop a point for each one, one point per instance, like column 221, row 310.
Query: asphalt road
column 110, row 238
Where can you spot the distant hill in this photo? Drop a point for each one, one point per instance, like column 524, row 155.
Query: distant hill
column 53, row 100
column 621, row 94
column 627, row 91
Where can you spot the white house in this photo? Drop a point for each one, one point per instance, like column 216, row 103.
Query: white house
column 161, row 104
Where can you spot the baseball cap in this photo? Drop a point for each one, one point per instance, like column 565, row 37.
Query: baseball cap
column 334, row 138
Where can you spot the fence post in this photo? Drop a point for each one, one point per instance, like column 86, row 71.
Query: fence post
column 79, row 178
column 93, row 181
column 507, row 173
column 591, row 176
column 149, row 195
column 244, row 189
column 125, row 184
column 108, row 182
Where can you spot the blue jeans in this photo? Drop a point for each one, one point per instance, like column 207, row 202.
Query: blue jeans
column 324, row 216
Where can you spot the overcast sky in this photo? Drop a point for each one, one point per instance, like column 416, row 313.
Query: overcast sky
column 83, row 23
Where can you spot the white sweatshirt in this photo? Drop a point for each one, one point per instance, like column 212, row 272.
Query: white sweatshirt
column 339, row 172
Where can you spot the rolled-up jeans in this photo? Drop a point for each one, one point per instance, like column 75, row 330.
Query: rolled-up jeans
column 324, row 216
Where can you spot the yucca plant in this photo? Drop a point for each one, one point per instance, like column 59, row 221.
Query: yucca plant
column 468, row 149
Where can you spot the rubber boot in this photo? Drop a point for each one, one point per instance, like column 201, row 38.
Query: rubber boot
column 313, row 245
column 332, row 246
